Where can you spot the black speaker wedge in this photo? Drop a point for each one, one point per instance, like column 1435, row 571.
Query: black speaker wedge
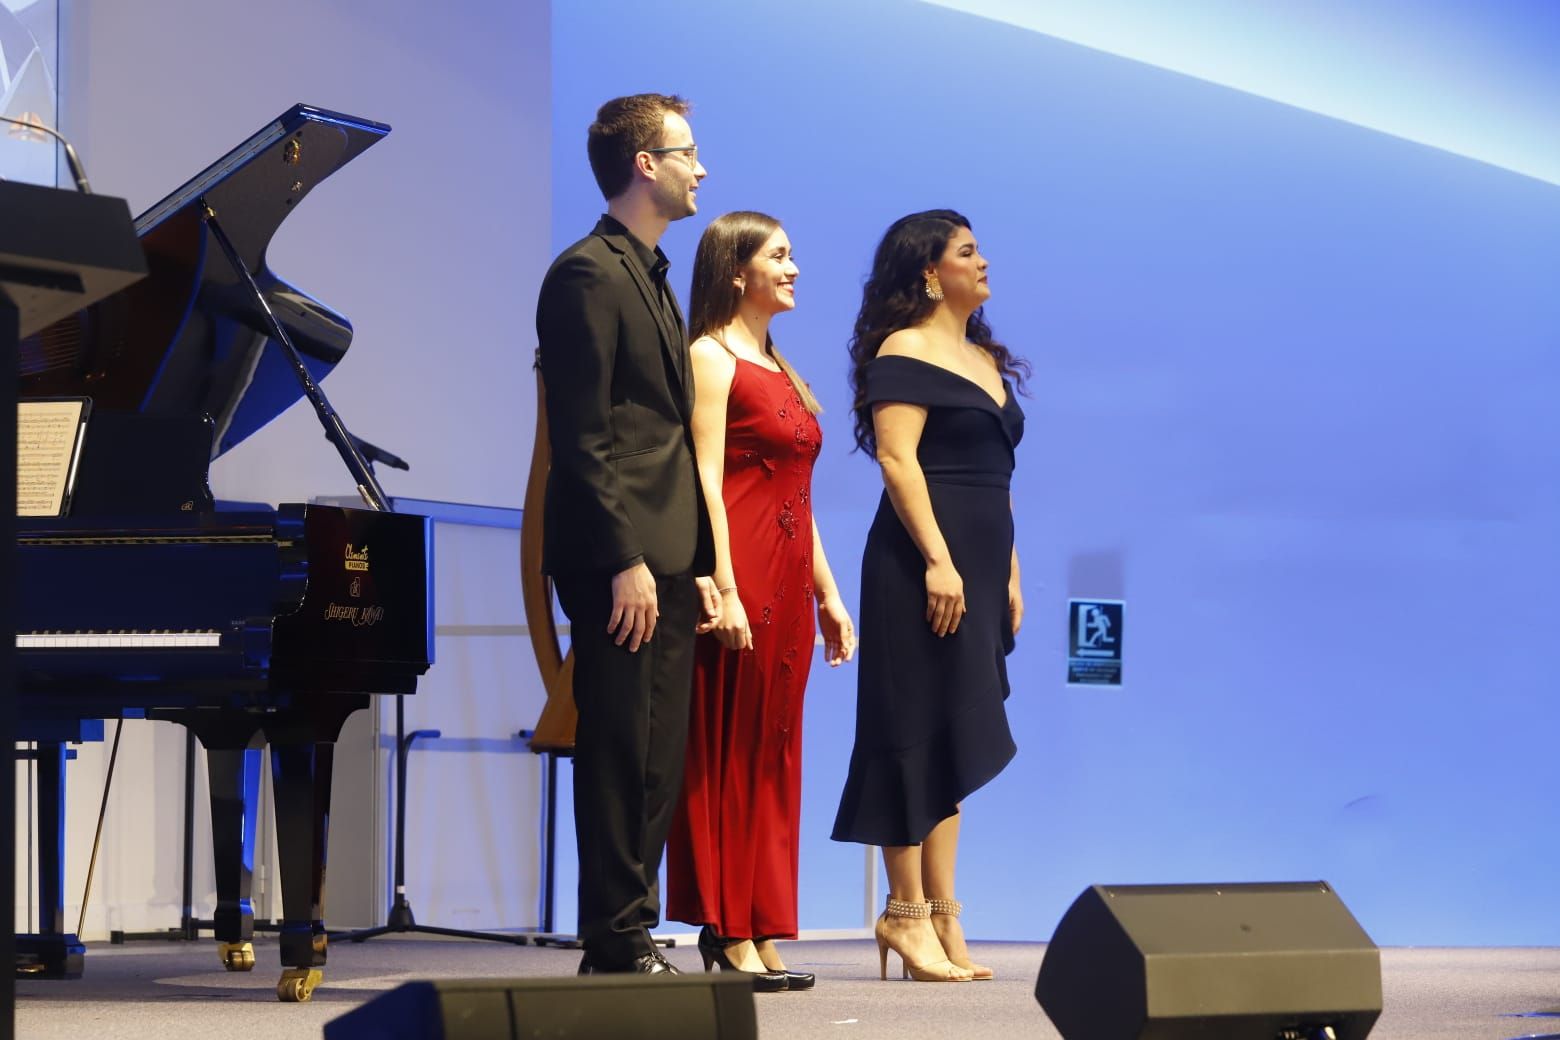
column 1255, row 961
column 652, row 1007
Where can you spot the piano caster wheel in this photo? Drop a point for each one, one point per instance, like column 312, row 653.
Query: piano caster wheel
column 236, row 956
column 297, row 984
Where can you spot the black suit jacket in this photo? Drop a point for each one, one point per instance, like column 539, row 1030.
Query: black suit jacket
column 619, row 390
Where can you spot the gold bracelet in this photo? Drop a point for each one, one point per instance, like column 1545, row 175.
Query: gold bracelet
column 728, row 588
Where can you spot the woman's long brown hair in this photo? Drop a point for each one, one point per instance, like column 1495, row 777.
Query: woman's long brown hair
column 727, row 246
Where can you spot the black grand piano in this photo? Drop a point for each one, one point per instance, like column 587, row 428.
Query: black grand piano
column 250, row 626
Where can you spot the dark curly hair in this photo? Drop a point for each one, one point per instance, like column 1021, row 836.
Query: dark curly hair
column 894, row 298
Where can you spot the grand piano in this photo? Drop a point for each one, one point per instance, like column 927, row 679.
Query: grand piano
column 249, row 625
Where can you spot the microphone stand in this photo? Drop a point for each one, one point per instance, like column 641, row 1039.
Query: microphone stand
column 400, row 918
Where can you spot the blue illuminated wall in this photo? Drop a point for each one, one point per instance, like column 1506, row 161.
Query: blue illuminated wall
column 1293, row 401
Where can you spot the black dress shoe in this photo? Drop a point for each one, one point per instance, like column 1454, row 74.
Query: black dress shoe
column 645, row 964
column 654, row 964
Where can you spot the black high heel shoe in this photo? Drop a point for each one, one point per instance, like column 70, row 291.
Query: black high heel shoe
column 712, row 948
column 798, row 979
column 795, row 979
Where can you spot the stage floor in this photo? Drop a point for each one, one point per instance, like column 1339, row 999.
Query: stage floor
column 174, row 991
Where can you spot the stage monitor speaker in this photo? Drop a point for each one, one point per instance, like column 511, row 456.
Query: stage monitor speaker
column 1210, row 962
column 646, row 1007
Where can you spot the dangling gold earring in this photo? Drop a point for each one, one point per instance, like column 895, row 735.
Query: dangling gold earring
column 933, row 287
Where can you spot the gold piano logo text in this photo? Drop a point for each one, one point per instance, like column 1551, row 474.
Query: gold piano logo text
column 359, row 617
column 357, row 559
column 355, row 589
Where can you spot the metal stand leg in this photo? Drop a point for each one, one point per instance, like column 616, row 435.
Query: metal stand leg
column 400, row 919
column 548, row 937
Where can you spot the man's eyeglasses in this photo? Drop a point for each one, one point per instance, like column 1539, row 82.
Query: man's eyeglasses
column 689, row 152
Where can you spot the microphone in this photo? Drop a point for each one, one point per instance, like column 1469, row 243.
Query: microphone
column 30, row 122
column 373, row 453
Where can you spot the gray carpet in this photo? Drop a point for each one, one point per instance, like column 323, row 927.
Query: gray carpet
column 173, row 991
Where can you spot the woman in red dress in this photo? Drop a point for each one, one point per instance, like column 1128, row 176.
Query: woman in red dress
column 732, row 855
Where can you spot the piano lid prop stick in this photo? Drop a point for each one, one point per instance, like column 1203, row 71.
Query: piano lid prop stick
column 97, row 837
column 335, row 431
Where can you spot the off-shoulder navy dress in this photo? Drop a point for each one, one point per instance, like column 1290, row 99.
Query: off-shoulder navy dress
column 931, row 722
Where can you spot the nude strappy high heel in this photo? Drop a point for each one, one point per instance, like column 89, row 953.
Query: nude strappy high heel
column 931, row 971
column 953, row 908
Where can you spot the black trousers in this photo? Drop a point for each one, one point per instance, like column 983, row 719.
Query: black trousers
column 628, row 758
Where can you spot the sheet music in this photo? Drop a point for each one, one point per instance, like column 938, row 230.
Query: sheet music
column 48, row 442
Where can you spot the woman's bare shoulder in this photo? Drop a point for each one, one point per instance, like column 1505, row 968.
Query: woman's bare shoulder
column 707, row 350
column 904, row 343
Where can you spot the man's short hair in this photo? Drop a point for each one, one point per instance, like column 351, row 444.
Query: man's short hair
column 623, row 128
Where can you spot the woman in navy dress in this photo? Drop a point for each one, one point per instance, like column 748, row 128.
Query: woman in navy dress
column 940, row 600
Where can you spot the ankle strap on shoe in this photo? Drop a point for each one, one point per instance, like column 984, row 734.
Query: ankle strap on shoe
column 951, row 907
column 905, row 908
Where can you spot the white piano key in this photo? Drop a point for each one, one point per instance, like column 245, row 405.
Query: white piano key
column 116, row 640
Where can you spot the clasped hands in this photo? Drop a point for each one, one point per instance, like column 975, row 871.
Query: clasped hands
column 635, row 608
column 735, row 632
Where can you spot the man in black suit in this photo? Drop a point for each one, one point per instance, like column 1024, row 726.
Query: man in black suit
column 625, row 533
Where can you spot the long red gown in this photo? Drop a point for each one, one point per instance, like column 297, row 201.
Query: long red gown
column 731, row 858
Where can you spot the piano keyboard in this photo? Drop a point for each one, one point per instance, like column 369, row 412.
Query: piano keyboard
column 115, row 640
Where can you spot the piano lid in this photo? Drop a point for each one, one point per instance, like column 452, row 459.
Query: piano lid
column 189, row 339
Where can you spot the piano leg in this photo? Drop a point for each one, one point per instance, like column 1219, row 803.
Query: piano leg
column 300, row 782
column 233, row 745
column 303, row 748
column 235, row 794
column 53, row 953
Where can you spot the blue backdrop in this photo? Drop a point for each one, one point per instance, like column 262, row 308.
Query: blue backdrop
column 1292, row 402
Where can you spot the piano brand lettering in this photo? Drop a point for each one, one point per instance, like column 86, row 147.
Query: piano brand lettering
column 358, row 616
column 357, row 559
